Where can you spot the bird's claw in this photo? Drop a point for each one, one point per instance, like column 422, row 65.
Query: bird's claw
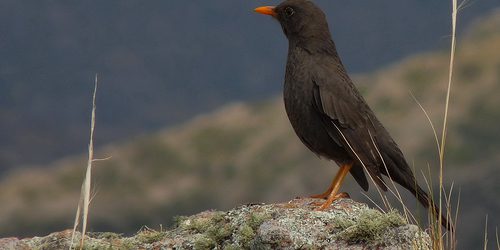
column 321, row 206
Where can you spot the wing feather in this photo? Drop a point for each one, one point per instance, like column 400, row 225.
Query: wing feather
column 347, row 118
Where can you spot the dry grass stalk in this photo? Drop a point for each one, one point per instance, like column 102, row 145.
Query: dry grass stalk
column 486, row 234
column 84, row 202
column 498, row 241
column 439, row 232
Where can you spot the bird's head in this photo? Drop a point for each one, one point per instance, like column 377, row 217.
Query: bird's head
column 300, row 19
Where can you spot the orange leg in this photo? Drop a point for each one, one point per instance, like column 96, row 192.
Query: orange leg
column 335, row 187
column 326, row 193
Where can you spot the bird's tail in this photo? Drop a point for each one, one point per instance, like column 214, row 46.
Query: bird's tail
column 427, row 202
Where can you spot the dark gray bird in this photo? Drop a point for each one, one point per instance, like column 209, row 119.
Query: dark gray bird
column 328, row 113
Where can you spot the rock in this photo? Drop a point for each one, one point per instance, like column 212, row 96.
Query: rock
column 294, row 225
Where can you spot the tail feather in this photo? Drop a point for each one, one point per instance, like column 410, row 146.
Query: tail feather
column 401, row 173
column 426, row 201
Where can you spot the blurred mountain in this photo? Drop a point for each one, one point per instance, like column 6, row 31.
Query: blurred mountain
column 161, row 62
column 246, row 153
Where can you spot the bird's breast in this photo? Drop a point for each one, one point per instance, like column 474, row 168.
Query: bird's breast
column 298, row 91
column 300, row 107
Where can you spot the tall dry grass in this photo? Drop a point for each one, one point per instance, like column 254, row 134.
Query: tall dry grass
column 82, row 211
column 449, row 241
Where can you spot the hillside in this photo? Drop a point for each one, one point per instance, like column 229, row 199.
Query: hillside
column 246, row 153
column 155, row 58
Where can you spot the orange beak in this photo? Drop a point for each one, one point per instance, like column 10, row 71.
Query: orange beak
column 266, row 10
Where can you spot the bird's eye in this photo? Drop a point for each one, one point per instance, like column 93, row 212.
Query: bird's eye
column 289, row 11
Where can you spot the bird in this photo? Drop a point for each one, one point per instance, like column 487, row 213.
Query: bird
column 328, row 113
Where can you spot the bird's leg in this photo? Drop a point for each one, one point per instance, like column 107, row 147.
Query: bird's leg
column 335, row 187
column 326, row 193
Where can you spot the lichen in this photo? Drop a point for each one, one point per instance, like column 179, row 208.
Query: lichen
column 204, row 242
column 294, row 225
column 246, row 235
column 257, row 218
column 213, row 226
column 178, row 220
column 220, row 232
column 149, row 236
column 341, row 222
column 203, row 222
column 370, row 227
column 108, row 235
column 231, row 247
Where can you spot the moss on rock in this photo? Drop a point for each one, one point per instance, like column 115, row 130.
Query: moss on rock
column 370, row 227
column 293, row 225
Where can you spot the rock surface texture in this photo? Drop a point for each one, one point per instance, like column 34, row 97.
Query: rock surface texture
column 293, row 225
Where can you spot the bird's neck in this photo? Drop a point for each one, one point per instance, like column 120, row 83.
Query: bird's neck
column 316, row 48
column 323, row 46
column 314, row 45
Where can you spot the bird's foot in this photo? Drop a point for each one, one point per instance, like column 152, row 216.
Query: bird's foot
column 324, row 205
column 321, row 196
column 343, row 195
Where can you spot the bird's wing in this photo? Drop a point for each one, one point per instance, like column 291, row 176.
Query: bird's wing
column 349, row 121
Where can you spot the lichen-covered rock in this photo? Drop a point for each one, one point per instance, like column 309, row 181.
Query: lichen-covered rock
column 293, row 225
